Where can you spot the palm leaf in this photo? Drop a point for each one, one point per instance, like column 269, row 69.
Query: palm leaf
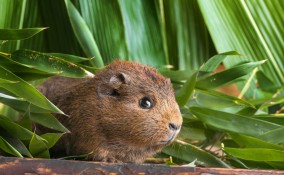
column 187, row 43
column 252, row 27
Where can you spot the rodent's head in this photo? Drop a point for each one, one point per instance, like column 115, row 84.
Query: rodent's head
column 136, row 105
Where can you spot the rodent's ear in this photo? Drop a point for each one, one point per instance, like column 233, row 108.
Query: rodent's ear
column 117, row 80
column 112, row 87
column 168, row 81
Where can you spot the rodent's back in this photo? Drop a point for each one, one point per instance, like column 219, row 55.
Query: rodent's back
column 56, row 86
column 125, row 113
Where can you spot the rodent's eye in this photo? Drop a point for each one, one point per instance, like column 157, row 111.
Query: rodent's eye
column 115, row 93
column 146, row 103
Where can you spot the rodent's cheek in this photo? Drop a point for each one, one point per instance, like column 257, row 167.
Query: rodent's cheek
column 176, row 119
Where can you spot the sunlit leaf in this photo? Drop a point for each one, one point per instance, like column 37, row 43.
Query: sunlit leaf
column 38, row 148
column 256, row 154
column 276, row 165
column 49, row 121
column 20, row 104
column 233, row 122
column 271, row 118
column 5, row 146
column 186, row 41
column 251, row 142
column 93, row 70
column 49, row 63
column 189, row 153
column 19, row 34
column 143, row 33
column 19, row 146
column 185, row 92
column 215, row 61
column 51, row 138
column 209, row 98
column 192, row 133
column 23, row 71
column 179, row 75
column 263, row 81
column 251, row 27
column 18, row 131
column 3, row 81
column 108, row 29
column 26, row 91
column 248, row 111
column 70, row 58
column 225, row 77
column 84, row 35
column 273, row 136
column 267, row 102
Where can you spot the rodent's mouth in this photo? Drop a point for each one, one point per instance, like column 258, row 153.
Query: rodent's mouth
column 170, row 140
column 164, row 142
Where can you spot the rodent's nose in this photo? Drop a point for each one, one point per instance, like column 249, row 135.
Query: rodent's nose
column 174, row 127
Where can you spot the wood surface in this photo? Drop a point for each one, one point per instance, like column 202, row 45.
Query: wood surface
column 24, row 166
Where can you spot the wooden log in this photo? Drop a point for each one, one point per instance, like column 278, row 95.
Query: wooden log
column 15, row 166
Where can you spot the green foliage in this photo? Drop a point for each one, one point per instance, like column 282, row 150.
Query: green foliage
column 18, row 34
column 181, row 150
column 83, row 34
column 219, row 130
column 49, row 64
column 252, row 27
column 17, row 86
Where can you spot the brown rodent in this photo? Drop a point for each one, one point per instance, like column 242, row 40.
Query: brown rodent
column 126, row 113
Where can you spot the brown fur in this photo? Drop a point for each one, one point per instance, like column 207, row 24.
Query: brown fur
column 115, row 127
